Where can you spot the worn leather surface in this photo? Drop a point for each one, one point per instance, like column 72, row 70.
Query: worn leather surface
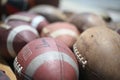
column 100, row 46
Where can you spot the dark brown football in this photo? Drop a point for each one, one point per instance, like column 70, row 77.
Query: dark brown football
column 13, row 36
column 36, row 21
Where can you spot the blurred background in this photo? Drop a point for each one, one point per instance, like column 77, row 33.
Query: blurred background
column 77, row 5
column 101, row 7
column 108, row 7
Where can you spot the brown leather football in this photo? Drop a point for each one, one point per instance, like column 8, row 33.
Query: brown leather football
column 46, row 59
column 63, row 31
column 51, row 13
column 13, row 36
column 36, row 21
column 86, row 20
column 98, row 51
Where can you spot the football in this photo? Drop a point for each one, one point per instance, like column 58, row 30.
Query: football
column 86, row 20
column 46, row 59
column 63, row 31
column 13, row 36
column 51, row 13
column 36, row 21
column 98, row 51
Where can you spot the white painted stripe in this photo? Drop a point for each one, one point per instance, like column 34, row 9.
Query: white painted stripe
column 63, row 32
column 12, row 35
column 18, row 17
column 38, row 19
column 50, row 56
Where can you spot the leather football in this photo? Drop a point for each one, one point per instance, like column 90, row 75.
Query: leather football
column 46, row 59
column 98, row 51
column 86, row 20
column 63, row 31
column 13, row 36
column 36, row 21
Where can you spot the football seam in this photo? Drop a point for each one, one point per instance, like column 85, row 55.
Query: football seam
column 84, row 62
column 79, row 56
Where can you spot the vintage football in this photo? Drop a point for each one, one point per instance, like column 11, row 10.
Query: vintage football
column 63, row 31
column 13, row 36
column 36, row 21
column 51, row 13
column 86, row 20
column 98, row 51
column 46, row 59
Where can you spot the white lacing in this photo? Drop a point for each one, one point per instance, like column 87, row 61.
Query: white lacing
column 80, row 58
column 17, row 66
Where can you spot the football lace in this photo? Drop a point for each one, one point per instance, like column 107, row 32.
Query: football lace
column 80, row 58
column 17, row 66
